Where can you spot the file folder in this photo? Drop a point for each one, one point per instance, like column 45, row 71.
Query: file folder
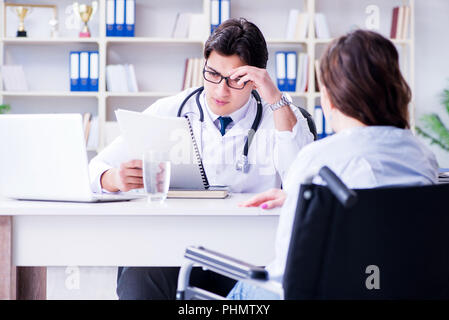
column 214, row 15
column 84, row 71
column 291, row 66
column 281, row 70
column 110, row 18
column 120, row 18
column 225, row 10
column 74, row 71
column 93, row 71
column 130, row 13
column 220, row 11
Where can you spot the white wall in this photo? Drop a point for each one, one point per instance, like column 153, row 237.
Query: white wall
column 432, row 63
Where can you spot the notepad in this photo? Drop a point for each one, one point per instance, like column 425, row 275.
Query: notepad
column 443, row 175
column 198, row 194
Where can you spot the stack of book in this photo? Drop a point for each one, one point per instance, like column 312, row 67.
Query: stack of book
column 190, row 26
column 400, row 22
column 14, row 78
column 193, row 73
column 120, row 18
column 121, row 78
column 90, row 125
column 303, row 73
column 84, row 70
column 321, row 26
column 297, row 25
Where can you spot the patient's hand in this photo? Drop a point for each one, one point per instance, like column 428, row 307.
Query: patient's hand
column 266, row 200
column 125, row 178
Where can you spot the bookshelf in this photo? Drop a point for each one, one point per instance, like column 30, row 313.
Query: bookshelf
column 159, row 59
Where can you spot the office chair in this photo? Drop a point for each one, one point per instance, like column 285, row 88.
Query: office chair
column 383, row 243
column 310, row 122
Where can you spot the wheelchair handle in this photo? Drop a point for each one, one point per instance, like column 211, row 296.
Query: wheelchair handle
column 346, row 196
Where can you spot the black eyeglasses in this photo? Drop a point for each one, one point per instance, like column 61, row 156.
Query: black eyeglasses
column 215, row 77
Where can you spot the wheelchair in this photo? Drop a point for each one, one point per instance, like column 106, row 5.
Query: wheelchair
column 366, row 244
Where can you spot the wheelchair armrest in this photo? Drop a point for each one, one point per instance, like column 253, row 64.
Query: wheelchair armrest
column 225, row 265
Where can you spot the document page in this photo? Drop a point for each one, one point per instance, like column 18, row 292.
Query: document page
column 171, row 135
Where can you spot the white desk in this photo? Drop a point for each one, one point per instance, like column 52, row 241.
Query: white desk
column 134, row 233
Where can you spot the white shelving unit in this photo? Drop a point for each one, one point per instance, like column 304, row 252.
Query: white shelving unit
column 158, row 59
column 311, row 42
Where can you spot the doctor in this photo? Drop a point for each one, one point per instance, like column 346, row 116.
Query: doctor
column 223, row 115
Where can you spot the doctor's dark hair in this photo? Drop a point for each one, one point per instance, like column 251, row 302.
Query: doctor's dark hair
column 240, row 37
column 361, row 74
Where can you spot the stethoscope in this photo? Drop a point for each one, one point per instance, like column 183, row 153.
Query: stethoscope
column 242, row 164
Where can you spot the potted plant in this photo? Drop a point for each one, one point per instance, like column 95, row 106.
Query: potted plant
column 4, row 108
column 433, row 128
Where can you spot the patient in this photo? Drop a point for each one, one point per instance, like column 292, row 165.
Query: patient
column 365, row 99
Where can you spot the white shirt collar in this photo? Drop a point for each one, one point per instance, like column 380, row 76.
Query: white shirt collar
column 236, row 116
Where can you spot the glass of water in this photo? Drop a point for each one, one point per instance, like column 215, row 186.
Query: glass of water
column 156, row 175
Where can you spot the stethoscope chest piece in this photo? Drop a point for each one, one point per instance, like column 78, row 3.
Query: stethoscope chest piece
column 242, row 164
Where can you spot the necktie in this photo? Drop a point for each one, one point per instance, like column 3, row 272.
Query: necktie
column 224, row 121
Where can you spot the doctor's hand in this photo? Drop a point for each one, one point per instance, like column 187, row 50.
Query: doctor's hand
column 261, row 79
column 266, row 200
column 284, row 118
column 127, row 177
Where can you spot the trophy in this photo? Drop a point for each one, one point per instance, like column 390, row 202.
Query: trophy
column 21, row 13
column 85, row 12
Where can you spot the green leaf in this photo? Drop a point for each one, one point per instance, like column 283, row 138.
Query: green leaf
column 421, row 132
column 436, row 130
column 4, row 108
column 446, row 99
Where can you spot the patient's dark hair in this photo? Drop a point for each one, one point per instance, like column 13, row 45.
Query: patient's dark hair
column 361, row 74
column 240, row 37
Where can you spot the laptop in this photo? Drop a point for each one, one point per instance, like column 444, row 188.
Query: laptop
column 43, row 157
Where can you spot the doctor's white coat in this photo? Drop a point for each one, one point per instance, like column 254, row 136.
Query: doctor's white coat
column 270, row 154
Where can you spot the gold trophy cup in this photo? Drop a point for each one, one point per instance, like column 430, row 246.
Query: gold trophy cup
column 85, row 13
column 22, row 13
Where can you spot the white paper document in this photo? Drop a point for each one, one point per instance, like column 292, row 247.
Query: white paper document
column 170, row 135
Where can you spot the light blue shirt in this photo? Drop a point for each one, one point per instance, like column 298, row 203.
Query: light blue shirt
column 363, row 157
